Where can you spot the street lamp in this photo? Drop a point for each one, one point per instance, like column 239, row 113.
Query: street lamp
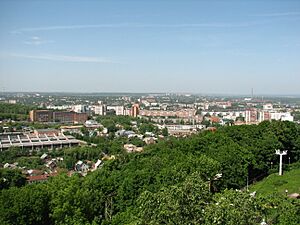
column 280, row 153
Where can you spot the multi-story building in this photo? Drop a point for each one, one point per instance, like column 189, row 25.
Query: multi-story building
column 264, row 115
column 100, row 110
column 118, row 109
column 161, row 113
column 63, row 117
column 127, row 112
column 79, row 108
column 80, row 117
column 41, row 115
column 251, row 116
column 135, row 109
column 57, row 116
column 284, row 116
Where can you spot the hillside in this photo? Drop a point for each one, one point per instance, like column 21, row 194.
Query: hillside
column 171, row 182
column 290, row 181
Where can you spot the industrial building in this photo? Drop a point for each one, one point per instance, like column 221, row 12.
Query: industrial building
column 57, row 116
column 36, row 141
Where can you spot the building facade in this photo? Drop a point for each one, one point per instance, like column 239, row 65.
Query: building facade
column 57, row 116
column 135, row 109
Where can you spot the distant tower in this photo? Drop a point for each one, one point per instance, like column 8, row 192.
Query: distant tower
column 252, row 93
column 278, row 152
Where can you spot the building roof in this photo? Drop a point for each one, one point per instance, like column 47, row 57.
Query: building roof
column 34, row 140
column 40, row 177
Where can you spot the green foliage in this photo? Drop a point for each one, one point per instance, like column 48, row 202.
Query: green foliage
column 11, row 178
column 232, row 207
column 33, row 162
column 14, row 111
column 136, row 141
column 176, row 204
column 148, row 128
column 296, row 116
column 277, row 209
column 25, row 206
column 168, row 183
column 10, row 155
column 165, row 132
column 290, row 180
column 70, row 202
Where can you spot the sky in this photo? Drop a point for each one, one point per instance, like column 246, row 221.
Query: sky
column 206, row 47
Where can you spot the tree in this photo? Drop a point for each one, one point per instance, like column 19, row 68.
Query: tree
column 233, row 207
column 177, row 204
column 11, row 178
column 278, row 209
column 25, row 206
column 165, row 132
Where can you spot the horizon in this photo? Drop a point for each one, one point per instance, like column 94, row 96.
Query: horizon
column 255, row 95
column 206, row 47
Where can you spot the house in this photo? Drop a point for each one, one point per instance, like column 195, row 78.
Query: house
column 44, row 156
column 151, row 134
column 132, row 148
column 80, row 166
column 40, row 178
column 97, row 165
column 92, row 124
column 34, row 172
column 150, row 140
column 51, row 164
column 125, row 133
column 12, row 166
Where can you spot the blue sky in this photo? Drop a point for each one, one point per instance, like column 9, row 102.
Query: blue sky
column 150, row 46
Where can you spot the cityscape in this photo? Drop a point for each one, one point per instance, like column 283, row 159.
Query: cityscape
column 149, row 112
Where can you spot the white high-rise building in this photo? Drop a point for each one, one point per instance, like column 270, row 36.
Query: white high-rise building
column 284, row 116
column 118, row 109
column 100, row 110
column 79, row 108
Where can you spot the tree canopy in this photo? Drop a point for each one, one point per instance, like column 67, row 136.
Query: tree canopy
column 171, row 182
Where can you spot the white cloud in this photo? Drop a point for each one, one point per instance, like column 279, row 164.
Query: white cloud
column 37, row 41
column 63, row 58
column 137, row 25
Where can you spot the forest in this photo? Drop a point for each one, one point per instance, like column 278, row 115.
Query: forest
column 176, row 181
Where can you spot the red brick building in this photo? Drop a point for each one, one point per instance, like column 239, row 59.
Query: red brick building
column 57, row 116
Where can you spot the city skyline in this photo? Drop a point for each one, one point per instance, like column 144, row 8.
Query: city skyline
column 158, row 46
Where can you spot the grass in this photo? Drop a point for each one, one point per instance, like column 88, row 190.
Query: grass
column 290, row 181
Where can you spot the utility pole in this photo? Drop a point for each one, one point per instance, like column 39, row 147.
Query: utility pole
column 280, row 153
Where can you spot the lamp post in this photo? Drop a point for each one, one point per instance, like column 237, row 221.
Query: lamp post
column 280, row 153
